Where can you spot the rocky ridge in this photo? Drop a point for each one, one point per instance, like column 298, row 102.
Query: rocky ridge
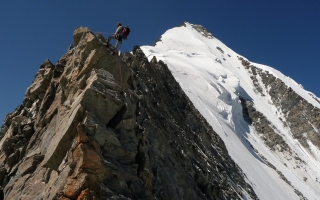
column 300, row 116
column 297, row 115
column 211, row 75
column 102, row 126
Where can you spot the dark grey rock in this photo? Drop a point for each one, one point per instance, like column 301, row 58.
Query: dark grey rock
column 299, row 115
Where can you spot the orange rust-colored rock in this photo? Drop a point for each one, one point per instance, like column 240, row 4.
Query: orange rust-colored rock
column 87, row 194
column 88, row 172
column 87, row 158
column 63, row 198
column 74, row 185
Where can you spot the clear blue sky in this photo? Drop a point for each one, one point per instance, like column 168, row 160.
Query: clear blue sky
column 283, row 34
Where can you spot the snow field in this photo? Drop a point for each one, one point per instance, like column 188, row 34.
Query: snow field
column 212, row 77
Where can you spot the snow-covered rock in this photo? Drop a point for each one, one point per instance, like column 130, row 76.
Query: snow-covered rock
column 277, row 148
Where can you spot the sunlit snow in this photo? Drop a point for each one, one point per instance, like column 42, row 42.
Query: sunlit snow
column 212, row 77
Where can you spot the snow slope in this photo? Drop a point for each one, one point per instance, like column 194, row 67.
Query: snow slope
column 212, row 76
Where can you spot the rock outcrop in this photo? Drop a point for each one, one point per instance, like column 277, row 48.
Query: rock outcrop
column 297, row 113
column 100, row 126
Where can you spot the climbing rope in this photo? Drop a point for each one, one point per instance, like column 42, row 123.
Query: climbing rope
column 119, row 57
column 118, row 60
column 103, row 33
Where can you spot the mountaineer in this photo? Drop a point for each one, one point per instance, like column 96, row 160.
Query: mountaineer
column 121, row 33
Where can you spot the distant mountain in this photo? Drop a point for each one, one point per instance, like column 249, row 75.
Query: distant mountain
column 268, row 122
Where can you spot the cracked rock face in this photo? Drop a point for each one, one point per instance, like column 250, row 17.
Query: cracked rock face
column 100, row 126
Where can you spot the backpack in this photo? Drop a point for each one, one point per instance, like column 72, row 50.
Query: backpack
column 125, row 32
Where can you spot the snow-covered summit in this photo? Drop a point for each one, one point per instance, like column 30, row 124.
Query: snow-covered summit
column 217, row 79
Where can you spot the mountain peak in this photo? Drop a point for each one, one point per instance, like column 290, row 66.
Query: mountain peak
column 262, row 115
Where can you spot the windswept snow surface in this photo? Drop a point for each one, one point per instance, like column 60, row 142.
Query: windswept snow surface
column 212, row 76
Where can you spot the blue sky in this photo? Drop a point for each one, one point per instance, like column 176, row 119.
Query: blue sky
column 283, row 34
